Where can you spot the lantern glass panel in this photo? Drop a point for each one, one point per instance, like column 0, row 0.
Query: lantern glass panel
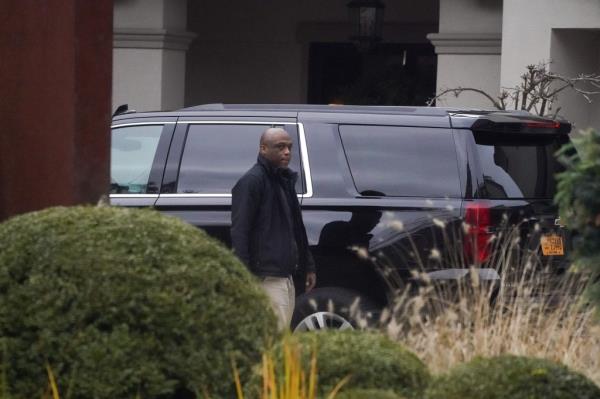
column 367, row 21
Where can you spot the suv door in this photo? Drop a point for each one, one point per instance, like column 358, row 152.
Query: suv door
column 138, row 154
column 207, row 157
column 379, row 183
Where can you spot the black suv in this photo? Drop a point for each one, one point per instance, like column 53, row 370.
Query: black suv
column 379, row 185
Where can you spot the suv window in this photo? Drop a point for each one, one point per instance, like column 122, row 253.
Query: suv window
column 402, row 161
column 132, row 154
column 519, row 166
column 217, row 155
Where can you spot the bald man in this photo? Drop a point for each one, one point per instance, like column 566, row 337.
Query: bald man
column 267, row 232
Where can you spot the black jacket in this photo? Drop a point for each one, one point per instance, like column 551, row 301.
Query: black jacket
column 267, row 232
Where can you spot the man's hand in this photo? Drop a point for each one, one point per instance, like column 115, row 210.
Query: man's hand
column 311, row 281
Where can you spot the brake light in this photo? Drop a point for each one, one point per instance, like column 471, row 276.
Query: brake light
column 543, row 125
column 478, row 220
column 517, row 126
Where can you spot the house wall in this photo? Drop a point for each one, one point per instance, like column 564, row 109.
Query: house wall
column 527, row 26
column 258, row 50
column 577, row 51
column 560, row 31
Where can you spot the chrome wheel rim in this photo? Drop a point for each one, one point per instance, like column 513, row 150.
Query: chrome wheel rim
column 323, row 321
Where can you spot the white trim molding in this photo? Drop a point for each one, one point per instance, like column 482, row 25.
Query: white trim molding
column 219, row 122
column 133, row 196
column 152, row 39
column 466, row 43
column 305, row 163
column 117, row 125
column 303, row 154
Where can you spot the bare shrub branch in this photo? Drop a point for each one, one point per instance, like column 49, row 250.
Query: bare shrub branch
column 459, row 90
column 537, row 92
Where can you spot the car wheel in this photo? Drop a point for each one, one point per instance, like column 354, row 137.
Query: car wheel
column 332, row 308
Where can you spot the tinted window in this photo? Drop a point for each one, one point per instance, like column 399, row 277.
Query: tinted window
column 402, row 161
column 216, row 156
column 132, row 153
column 519, row 166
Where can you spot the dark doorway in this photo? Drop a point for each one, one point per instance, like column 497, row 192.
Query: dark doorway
column 390, row 74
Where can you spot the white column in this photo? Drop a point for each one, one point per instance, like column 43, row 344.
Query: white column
column 150, row 44
column 468, row 46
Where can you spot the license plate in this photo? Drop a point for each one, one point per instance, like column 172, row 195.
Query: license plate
column 552, row 245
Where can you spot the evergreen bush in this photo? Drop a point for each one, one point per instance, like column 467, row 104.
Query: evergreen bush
column 370, row 359
column 124, row 302
column 578, row 198
column 512, row 377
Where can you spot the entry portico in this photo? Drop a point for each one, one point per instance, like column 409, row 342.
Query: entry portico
column 174, row 53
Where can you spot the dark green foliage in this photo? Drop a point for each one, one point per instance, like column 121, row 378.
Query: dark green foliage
column 121, row 302
column 578, row 198
column 512, row 377
column 370, row 359
column 367, row 394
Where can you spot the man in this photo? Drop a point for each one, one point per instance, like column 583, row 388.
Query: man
column 267, row 232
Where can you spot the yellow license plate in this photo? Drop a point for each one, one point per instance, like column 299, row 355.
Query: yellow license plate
column 552, row 245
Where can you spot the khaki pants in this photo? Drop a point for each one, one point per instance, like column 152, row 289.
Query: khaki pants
column 282, row 294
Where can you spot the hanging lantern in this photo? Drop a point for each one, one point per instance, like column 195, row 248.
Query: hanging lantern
column 367, row 21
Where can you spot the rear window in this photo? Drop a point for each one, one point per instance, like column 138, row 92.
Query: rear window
column 402, row 161
column 519, row 166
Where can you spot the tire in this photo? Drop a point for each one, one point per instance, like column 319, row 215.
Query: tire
column 333, row 308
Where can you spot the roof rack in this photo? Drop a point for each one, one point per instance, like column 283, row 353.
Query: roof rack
column 386, row 109
column 123, row 109
column 205, row 107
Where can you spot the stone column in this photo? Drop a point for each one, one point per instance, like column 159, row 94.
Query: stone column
column 150, row 44
column 55, row 74
column 468, row 46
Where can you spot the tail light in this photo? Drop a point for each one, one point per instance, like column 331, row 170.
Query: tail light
column 519, row 125
column 478, row 221
column 555, row 125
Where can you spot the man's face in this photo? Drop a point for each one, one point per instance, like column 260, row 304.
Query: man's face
column 277, row 149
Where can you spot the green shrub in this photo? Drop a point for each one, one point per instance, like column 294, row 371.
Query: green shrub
column 512, row 377
column 367, row 394
column 578, row 198
column 370, row 359
column 123, row 302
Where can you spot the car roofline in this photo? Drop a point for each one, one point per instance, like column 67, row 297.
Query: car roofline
column 459, row 117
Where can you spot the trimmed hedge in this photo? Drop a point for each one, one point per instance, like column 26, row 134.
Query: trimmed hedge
column 512, row 377
column 372, row 361
column 122, row 302
column 367, row 394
